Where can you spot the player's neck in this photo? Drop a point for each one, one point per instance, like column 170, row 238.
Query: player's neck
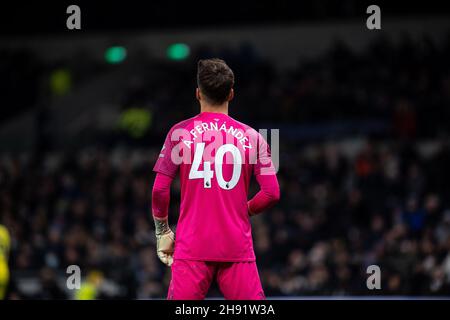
column 223, row 108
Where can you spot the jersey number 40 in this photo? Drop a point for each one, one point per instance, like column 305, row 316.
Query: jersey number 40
column 207, row 174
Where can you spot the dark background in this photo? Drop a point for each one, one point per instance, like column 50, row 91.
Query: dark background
column 364, row 141
column 33, row 18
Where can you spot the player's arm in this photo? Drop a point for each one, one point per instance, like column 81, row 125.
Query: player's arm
column 265, row 173
column 165, row 170
column 165, row 238
column 267, row 197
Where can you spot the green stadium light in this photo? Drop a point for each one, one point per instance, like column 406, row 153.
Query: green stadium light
column 115, row 54
column 178, row 51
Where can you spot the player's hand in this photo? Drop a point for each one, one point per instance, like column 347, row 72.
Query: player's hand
column 165, row 244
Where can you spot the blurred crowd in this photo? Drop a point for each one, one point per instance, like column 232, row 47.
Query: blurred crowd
column 384, row 204
column 387, row 205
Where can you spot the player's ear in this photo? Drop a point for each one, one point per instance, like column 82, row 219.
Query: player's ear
column 231, row 95
column 197, row 94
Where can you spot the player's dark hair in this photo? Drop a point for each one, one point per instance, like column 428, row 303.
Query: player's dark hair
column 215, row 80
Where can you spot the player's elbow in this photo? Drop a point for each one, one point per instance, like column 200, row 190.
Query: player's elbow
column 275, row 195
column 161, row 186
column 271, row 189
column 159, row 191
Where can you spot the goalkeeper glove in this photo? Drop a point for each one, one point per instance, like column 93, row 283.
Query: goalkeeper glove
column 165, row 241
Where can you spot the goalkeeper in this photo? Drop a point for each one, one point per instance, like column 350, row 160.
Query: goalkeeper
column 215, row 157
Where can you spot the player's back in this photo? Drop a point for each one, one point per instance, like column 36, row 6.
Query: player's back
column 216, row 156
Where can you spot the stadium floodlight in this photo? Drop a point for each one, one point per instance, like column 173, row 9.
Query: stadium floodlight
column 116, row 54
column 178, row 51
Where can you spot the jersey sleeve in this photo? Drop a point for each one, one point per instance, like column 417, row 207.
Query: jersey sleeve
column 267, row 196
column 161, row 195
column 264, row 164
column 164, row 164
